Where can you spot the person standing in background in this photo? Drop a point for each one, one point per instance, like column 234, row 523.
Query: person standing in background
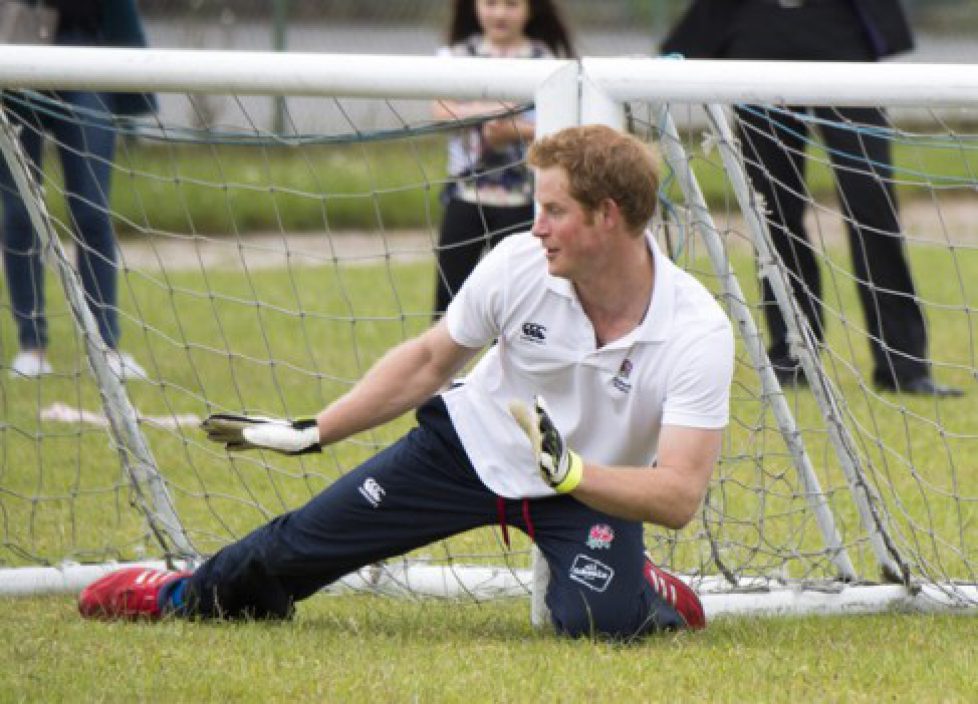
column 774, row 144
column 490, row 193
column 81, row 123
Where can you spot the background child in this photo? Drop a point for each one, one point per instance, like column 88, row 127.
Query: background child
column 490, row 194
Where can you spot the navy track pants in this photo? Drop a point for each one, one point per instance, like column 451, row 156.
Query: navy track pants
column 419, row 490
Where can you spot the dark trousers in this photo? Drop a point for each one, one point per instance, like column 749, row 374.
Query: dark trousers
column 85, row 140
column 422, row 489
column 774, row 144
column 469, row 230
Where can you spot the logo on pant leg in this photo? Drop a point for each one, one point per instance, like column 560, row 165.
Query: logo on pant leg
column 372, row 491
column 591, row 573
column 600, row 535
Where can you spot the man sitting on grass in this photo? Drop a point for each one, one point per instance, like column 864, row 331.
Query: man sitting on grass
column 634, row 358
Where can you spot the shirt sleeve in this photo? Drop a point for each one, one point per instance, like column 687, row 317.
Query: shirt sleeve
column 475, row 315
column 698, row 394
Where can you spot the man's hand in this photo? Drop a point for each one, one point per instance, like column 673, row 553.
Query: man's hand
column 290, row 437
column 560, row 467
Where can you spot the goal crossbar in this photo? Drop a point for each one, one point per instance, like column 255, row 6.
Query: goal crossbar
column 428, row 77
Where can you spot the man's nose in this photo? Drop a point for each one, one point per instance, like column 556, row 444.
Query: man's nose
column 539, row 226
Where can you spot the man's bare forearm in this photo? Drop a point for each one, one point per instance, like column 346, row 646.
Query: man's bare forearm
column 652, row 495
column 401, row 380
column 668, row 495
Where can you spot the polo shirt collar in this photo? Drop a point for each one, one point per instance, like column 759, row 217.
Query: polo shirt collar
column 657, row 323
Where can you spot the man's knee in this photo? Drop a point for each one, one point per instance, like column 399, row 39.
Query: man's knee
column 577, row 618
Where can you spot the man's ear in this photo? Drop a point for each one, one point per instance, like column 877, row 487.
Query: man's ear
column 609, row 213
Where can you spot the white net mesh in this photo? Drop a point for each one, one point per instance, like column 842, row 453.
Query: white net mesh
column 910, row 451
column 265, row 272
column 256, row 273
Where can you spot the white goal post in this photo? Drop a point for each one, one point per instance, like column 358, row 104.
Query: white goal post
column 830, row 497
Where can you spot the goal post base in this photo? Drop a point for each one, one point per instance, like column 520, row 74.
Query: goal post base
column 66, row 578
column 416, row 580
column 405, row 580
column 861, row 599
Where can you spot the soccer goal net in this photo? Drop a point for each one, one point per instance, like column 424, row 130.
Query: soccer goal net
column 264, row 270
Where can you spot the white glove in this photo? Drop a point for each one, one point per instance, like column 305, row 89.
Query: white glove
column 560, row 467
column 290, row 437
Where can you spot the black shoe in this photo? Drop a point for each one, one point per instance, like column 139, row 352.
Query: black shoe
column 920, row 386
column 789, row 372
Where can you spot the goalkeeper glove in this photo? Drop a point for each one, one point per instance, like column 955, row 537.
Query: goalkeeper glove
column 560, row 467
column 290, row 437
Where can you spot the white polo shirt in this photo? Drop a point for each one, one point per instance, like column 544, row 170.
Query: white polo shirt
column 609, row 403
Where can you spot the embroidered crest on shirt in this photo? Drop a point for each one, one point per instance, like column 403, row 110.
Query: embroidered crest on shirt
column 600, row 535
column 534, row 332
column 620, row 380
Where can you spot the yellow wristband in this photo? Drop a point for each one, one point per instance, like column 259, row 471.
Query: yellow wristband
column 574, row 474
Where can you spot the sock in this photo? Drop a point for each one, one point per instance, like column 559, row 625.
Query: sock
column 171, row 597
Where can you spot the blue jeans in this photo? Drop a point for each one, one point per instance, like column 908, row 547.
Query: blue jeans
column 86, row 145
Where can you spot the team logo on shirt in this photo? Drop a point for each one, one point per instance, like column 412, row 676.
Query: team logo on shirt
column 620, row 380
column 534, row 332
column 591, row 573
column 600, row 536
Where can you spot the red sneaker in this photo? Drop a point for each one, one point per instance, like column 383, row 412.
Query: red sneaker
column 131, row 593
column 675, row 593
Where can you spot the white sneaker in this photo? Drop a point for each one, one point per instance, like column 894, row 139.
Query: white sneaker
column 30, row 364
column 125, row 367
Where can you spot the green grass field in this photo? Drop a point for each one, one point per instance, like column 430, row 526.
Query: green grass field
column 359, row 648
column 375, row 650
column 314, row 330
column 285, row 342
